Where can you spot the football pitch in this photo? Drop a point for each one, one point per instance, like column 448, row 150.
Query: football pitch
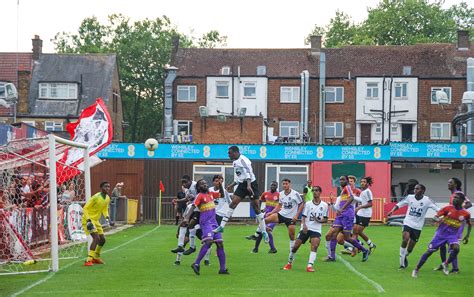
column 139, row 263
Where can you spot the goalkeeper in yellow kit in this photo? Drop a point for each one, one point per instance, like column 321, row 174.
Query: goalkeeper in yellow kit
column 96, row 206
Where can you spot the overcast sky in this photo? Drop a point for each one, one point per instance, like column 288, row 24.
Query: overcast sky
column 247, row 23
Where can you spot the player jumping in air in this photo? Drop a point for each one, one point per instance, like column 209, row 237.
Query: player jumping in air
column 418, row 205
column 207, row 220
column 271, row 201
column 454, row 186
column 315, row 213
column 288, row 210
column 246, row 186
column 95, row 207
column 452, row 219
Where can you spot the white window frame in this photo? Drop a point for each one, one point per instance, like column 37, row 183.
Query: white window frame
column 222, row 84
column 403, row 90
column 444, row 89
column 249, row 84
column 394, row 128
column 378, row 128
column 50, row 91
column 371, row 86
column 441, row 126
column 53, row 126
column 186, row 88
column 333, row 125
column 334, row 91
column 290, row 125
column 225, row 70
column 284, row 171
column 292, row 92
column 182, row 123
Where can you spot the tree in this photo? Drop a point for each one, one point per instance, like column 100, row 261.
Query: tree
column 143, row 50
column 401, row 22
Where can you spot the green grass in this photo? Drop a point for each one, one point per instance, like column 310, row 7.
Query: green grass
column 145, row 267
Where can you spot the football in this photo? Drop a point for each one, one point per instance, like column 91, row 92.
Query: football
column 151, row 144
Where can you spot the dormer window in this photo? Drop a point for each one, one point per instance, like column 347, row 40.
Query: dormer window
column 225, row 70
column 57, row 91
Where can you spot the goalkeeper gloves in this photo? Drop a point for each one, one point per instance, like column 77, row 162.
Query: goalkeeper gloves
column 90, row 226
column 107, row 220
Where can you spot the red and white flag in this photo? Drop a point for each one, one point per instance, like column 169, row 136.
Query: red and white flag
column 94, row 127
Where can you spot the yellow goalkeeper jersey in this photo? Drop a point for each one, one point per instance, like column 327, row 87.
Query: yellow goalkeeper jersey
column 96, row 206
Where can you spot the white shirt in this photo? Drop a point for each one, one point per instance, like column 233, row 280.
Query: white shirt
column 222, row 203
column 416, row 212
column 289, row 203
column 243, row 169
column 192, row 190
column 314, row 213
column 364, row 198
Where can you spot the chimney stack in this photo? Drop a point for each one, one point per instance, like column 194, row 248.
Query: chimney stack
column 174, row 50
column 315, row 45
column 37, row 47
column 463, row 40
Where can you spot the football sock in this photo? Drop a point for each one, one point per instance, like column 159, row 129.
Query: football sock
column 179, row 256
column 291, row 257
column 292, row 244
column 181, row 235
column 98, row 248
column 455, row 263
column 271, row 242
column 227, row 217
column 192, row 238
column 357, row 244
column 328, row 247
column 370, row 243
column 90, row 255
column 443, row 253
column 208, row 254
column 221, row 256
column 423, row 259
column 258, row 240
column 312, row 258
column 261, row 222
column 403, row 253
column 333, row 244
column 202, row 252
column 452, row 256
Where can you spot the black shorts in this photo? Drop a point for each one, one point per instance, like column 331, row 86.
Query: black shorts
column 219, row 219
column 414, row 234
column 363, row 221
column 310, row 234
column 287, row 221
column 181, row 207
column 242, row 191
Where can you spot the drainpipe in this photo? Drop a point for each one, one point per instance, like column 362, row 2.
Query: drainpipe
column 383, row 110
column 322, row 95
column 390, row 111
column 306, row 101
column 302, row 104
column 168, row 108
column 470, row 106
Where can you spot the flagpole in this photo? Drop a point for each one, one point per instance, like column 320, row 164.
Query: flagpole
column 159, row 211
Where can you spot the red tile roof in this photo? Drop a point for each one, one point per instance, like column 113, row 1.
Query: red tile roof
column 8, row 65
column 426, row 61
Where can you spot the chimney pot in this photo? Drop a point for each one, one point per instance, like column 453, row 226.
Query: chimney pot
column 463, row 40
column 315, row 44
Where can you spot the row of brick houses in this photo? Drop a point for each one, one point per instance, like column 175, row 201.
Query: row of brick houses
column 259, row 95
column 53, row 89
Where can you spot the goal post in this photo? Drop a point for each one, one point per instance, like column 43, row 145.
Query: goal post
column 44, row 182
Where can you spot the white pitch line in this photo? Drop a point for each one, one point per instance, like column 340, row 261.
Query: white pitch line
column 49, row 276
column 363, row 276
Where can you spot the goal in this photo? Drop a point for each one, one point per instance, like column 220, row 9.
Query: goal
column 44, row 183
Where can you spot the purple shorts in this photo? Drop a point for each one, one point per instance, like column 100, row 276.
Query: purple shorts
column 346, row 222
column 460, row 231
column 208, row 234
column 441, row 239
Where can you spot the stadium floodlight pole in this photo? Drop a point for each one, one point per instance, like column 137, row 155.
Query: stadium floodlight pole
column 53, row 211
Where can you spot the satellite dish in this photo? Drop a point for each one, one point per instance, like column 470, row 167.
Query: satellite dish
column 468, row 97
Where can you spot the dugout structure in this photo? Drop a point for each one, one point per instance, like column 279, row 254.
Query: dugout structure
column 44, row 183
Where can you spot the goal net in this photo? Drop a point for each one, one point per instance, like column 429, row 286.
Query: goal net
column 44, row 183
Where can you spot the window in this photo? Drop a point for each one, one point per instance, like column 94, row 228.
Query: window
column 184, row 128
column 57, row 91
column 334, row 94
column 394, row 128
column 401, row 90
column 447, row 90
column 53, row 126
column 250, row 90
column 372, row 91
column 222, row 89
column 298, row 174
column 441, row 131
column 207, row 172
column 334, row 130
column 289, row 129
column 290, row 94
column 225, row 70
column 378, row 128
column 186, row 94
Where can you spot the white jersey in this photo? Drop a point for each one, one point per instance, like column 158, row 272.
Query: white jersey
column 191, row 191
column 289, row 203
column 314, row 213
column 416, row 212
column 243, row 169
column 364, row 198
column 222, row 203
